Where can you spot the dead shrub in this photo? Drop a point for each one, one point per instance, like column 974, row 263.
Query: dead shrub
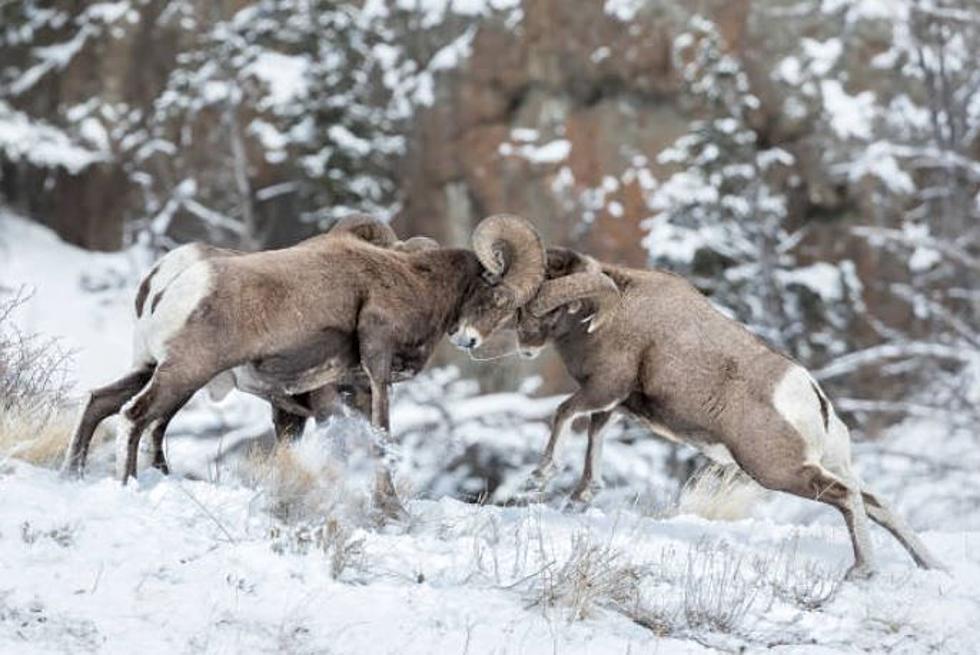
column 63, row 535
column 807, row 584
column 35, row 420
column 594, row 575
column 291, row 490
column 717, row 595
column 707, row 589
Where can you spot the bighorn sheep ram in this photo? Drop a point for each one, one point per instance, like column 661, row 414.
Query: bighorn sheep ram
column 654, row 346
column 332, row 309
column 289, row 411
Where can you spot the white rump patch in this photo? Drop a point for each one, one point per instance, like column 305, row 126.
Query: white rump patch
column 796, row 400
column 167, row 269
column 181, row 297
column 173, row 264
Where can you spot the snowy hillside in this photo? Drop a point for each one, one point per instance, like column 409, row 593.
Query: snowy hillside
column 238, row 554
column 177, row 566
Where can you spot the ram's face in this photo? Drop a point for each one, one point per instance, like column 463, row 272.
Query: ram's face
column 487, row 309
column 534, row 332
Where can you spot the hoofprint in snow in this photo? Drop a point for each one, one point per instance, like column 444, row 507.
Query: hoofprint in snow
column 207, row 566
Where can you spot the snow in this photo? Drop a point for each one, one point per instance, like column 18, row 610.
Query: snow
column 347, row 140
column 107, row 12
column 823, row 278
column 274, row 141
column 51, row 58
column 770, row 156
column 666, row 241
column 452, row 55
column 878, row 161
column 790, row 71
column 434, row 12
column 856, row 10
column 850, row 116
column 22, row 137
column 623, row 10
column 285, row 75
column 91, row 130
column 552, row 152
column 823, row 55
column 173, row 565
column 58, row 275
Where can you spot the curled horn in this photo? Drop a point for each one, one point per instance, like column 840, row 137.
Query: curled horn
column 416, row 244
column 591, row 285
column 510, row 249
column 366, row 228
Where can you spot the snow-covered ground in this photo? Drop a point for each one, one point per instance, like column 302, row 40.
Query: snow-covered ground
column 173, row 565
column 199, row 562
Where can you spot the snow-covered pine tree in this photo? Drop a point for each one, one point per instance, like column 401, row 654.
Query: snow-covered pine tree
column 929, row 216
column 722, row 218
column 286, row 88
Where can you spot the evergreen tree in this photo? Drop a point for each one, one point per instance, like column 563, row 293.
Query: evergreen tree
column 722, row 217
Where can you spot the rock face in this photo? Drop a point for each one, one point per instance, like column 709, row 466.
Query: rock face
column 544, row 120
column 257, row 123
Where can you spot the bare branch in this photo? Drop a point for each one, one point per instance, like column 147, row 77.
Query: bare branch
column 940, row 245
column 854, row 361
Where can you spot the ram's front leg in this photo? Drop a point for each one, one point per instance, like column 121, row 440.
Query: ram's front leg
column 588, row 400
column 591, row 482
column 376, row 361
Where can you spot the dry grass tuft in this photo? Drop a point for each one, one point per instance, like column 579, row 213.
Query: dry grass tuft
column 310, row 494
column 38, row 440
column 295, row 487
column 717, row 595
column 594, row 575
column 719, row 493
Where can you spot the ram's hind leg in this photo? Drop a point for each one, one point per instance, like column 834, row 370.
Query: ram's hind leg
column 158, row 429
column 837, row 458
column 167, row 391
column 102, row 403
column 815, row 482
column 782, row 461
column 844, row 494
column 882, row 514
column 289, row 424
